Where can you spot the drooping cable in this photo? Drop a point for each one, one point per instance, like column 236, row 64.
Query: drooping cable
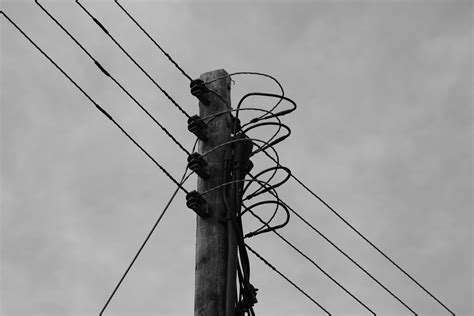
column 107, row 74
column 255, row 73
column 103, row 111
column 102, row 27
column 294, row 177
column 354, row 229
column 154, row 42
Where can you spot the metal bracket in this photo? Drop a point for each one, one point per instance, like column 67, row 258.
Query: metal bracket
column 196, row 202
column 200, row 91
column 197, row 164
column 198, row 127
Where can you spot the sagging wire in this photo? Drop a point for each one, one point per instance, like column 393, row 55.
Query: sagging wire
column 265, row 187
column 247, row 296
column 237, row 166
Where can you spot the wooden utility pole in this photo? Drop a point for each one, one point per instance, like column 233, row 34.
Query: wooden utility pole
column 212, row 248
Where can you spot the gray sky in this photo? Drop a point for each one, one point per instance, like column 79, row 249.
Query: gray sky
column 383, row 132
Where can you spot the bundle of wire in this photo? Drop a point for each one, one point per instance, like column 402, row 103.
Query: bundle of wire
column 238, row 190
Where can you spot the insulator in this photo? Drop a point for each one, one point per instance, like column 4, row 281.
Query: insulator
column 197, row 164
column 198, row 127
column 200, row 91
column 196, row 202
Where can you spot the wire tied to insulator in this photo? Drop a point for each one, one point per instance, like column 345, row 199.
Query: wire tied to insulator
column 200, row 91
column 197, row 203
column 198, row 127
column 197, row 164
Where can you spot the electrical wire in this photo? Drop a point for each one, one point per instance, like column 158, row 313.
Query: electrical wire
column 269, row 144
column 103, row 111
column 313, row 262
column 286, row 278
column 233, row 186
column 137, row 254
column 294, row 177
column 232, row 201
column 179, row 185
column 343, row 253
column 106, row 73
column 269, row 228
column 154, row 42
column 102, row 27
column 351, row 226
column 369, row 242
column 255, row 74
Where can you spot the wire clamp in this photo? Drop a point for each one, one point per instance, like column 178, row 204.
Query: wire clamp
column 198, row 127
column 200, row 91
column 235, row 124
column 242, row 153
column 197, row 164
column 196, row 202
column 249, row 299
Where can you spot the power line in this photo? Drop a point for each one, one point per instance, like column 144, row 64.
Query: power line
column 313, row 262
column 286, row 278
column 106, row 73
column 103, row 111
column 183, row 179
column 363, row 237
column 133, row 60
column 346, row 222
column 371, row 244
column 171, row 136
column 344, row 253
column 154, row 42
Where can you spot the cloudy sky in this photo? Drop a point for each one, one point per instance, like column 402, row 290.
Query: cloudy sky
column 383, row 132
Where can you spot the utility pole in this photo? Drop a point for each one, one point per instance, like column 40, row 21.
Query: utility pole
column 213, row 245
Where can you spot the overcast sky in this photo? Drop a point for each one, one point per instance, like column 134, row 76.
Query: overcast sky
column 383, row 132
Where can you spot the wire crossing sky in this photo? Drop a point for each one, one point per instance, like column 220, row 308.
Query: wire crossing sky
column 369, row 295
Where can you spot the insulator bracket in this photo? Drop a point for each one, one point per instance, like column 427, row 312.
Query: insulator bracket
column 198, row 127
column 200, row 91
column 197, row 164
column 196, row 202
